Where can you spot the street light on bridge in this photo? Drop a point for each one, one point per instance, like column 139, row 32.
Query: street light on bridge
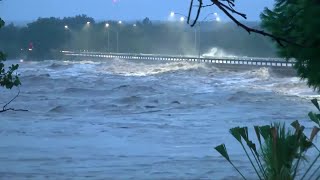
column 197, row 40
column 182, row 19
column 182, row 16
column 107, row 26
column 171, row 14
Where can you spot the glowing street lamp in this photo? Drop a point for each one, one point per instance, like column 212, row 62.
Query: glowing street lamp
column 182, row 17
column 217, row 17
column 120, row 22
column 66, row 27
column 172, row 14
column 107, row 25
column 134, row 25
column 88, row 23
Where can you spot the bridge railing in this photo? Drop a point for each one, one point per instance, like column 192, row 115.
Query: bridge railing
column 225, row 60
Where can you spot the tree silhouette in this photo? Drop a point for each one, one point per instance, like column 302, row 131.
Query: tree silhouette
column 8, row 77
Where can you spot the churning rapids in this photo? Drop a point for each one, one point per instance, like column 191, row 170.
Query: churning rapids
column 116, row 119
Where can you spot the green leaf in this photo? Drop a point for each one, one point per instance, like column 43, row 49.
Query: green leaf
column 2, row 23
column 223, row 151
column 295, row 124
column 314, row 132
column 256, row 129
column 265, row 131
column 315, row 103
column 314, row 118
column 235, row 132
column 253, row 146
column 244, row 133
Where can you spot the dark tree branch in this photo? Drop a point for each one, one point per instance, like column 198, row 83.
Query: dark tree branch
column 279, row 40
column 198, row 13
column 231, row 5
column 4, row 108
column 12, row 109
column 208, row 5
column 190, row 10
column 226, row 10
column 234, row 11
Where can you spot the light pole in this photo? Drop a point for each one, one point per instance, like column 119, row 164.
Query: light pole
column 182, row 19
column 117, row 41
column 119, row 22
column 216, row 17
column 197, row 40
column 107, row 27
column 87, row 35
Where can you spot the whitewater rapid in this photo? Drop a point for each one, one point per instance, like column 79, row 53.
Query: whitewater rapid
column 117, row 119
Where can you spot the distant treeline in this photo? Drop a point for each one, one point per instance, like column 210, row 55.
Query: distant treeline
column 46, row 36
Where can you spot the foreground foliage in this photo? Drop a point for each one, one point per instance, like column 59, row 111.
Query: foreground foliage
column 281, row 151
column 296, row 20
column 8, row 78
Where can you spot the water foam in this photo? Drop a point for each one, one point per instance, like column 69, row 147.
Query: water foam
column 295, row 87
column 261, row 78
column 127, row 68
column 217, row 52
column 264, row 79
column 261, row 73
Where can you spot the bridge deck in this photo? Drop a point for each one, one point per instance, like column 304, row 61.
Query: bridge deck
column 232, row 61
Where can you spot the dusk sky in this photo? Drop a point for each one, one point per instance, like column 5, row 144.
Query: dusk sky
column 22, row 10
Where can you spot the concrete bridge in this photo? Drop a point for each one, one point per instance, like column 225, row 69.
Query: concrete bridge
column 248, row 61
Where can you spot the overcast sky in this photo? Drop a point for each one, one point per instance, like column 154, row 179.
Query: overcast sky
column 22, row 10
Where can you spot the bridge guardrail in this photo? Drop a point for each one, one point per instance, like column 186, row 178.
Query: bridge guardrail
column 227, row 60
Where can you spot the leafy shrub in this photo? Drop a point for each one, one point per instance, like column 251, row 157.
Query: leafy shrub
column 281, row 150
